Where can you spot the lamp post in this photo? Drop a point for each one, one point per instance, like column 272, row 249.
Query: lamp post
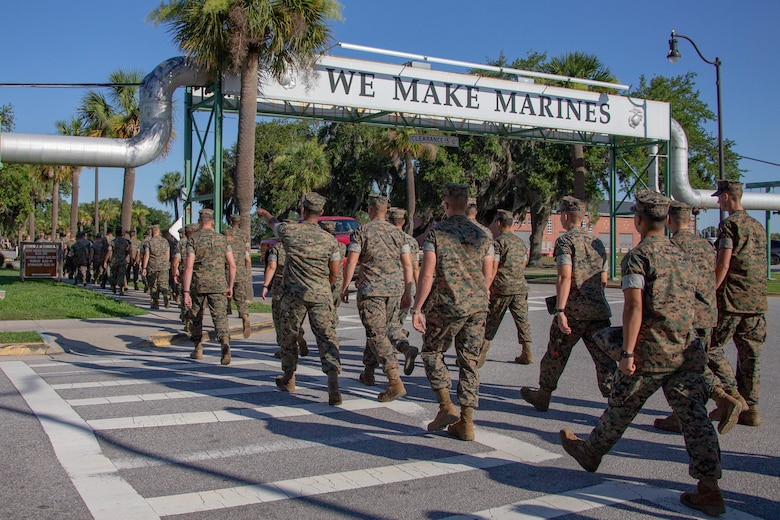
column 674, row 56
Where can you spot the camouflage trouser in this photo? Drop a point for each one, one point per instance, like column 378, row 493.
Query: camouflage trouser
column 133, row 268
column 158, row 283
column 82, row 273
column 98, row 273
column 378, row 314
column 749, row 333
column 469, row 333
column 293, row 311
column 276, row 312
column 686, row 393
column 518, row 306
column 397, row 336
column 118, row 272
column 217, row 303
column 559, row 349
column 239, row 293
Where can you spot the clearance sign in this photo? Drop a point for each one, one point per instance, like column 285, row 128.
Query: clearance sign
column 367, row 89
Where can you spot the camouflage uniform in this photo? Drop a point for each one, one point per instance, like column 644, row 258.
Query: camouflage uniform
column 414, row 253
column 587, row 310
column 144, row 249
column 305, row 288
column 158, row 269
column 134, row 264
column 97, row 259
column 81, row 250
column 237, row 241
column 180, row 256
column 741, row 305
column 457, row 305
column 208, row 283
column 330, row 227
column 509, row 289
column 380, row 285
column 121, row 249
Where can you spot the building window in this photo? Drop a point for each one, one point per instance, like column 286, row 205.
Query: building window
column 549, row 226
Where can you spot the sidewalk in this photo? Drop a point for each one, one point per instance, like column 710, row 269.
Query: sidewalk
column 157, row 328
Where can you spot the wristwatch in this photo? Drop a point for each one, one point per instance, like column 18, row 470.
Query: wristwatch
column 558, row 311
column 624, row 354
column 414, row 311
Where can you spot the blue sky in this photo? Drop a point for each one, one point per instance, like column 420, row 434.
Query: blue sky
column 82, row 41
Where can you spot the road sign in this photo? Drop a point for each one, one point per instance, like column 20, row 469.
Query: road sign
column 441, row 140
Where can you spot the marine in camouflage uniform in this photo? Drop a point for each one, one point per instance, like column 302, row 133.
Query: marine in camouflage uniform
column 205, row 283
column 134, row 264
column 397, row 217
column 509, row 289
column 81, row 251
column 700, row 253
column 383, row 286
column 98, row 274
column 330, row 227
column 275, row 258
column 177, row 266
column 660, row 350
column 156, row 266
column 454, row 280
column 144, row 249
column 235, row 238
column 310, row 270
column 740, row 274
column 581, row 309
column 120, row 250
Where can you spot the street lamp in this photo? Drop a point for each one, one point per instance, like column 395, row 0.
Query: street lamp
column 674, row 56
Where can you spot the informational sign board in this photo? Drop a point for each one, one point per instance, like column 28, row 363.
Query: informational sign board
column 441, row 140
column 41, row 260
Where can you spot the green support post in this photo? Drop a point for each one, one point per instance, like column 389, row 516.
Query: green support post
column 218, row 154
column 612, row 211
column 188, row 154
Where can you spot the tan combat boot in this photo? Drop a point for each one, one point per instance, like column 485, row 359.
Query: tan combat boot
column 334, row 395
column 483, row 352
column 410, row 354
column 197, row 353
column 166, row 301
column 575, row 447
column 447, row 415
column 367, row 376
column 303, row 346
column 225, row 360
column 526, row 357
column 750, row 417
column 669, row 424
column 707, row 498
column 539, row 398
column 716, row 413
column 728, row 408
column 464, row 428
column 247, row 325
column 395, row 387
column 286, row 382
column 155, row 304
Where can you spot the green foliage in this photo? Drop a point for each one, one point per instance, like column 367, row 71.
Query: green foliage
column 15, row 201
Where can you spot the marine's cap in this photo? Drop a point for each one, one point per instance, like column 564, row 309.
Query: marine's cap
column 572, row 204
column 728, row 186
column 207, row 213
column 376, row 199
column 503, row 214
column 313, row 201
column 679, row 209
column 472, row 201
column 155, row 227
column 396, row 214
column 181, row 231
column 328, row 226
column 191, row 228
column 452, row 189
column 651, row 203
column 235, row 218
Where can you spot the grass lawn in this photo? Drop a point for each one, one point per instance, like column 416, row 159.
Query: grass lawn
column 259, row 307
column 38, row 299
column 27, row 336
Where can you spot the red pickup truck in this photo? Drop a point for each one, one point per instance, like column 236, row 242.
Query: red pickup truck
column 344, row 228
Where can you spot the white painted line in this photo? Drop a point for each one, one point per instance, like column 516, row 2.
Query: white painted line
column 185, row 377
column 594, row 497
column 105, row 493
column 349, row 328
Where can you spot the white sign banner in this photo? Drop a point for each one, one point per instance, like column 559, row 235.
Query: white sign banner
column 383, row 87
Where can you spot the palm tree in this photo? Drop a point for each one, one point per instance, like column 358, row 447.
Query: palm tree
column 398, row 146
column 109, row 211
column 303, row 168
column 97, row 114
column 237, row 35
column 75, row 127
column 169, row 190
column 584, row 66
column 52, row 176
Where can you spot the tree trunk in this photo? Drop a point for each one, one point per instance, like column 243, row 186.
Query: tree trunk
column 74, row 202
column 578, row 160
column 96, row 224
column 176, row 207
column 245, row 146
column 127, row 199
column 540, row 214
column 31, row 223
column 411, row 197
column 55, row 207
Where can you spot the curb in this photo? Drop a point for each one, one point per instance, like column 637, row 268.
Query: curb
column 37, row 348
column 166, row 340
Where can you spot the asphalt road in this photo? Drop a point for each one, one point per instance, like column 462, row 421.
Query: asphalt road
column 148, row 433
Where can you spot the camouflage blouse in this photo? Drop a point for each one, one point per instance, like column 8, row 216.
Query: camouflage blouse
column 702, row 255
column 744, row 289
column 379, row 245
column 588, row 259
column 511, row 254
column 209, row 248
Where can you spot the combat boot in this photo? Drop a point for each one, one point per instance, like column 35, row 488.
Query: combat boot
column 166, row 301
column 750, row 417
column 225, row 360
column 286, row 382
column 539, row 398
column 155, row 304
column 669, row 424
column 278, row 354
column 303, row 346
column 716, row 413
column 395, row 387
column 247, row 325
column 575, row 447
column 334, row 396
column 447, row 415
column 197, row 353
column 135, row 286
column 409, row 356
column 483, row 352
column 525, row 357
column 728, row 408
column 707, row 498
column 229, row 309
column 367, row 376
column 464, row 428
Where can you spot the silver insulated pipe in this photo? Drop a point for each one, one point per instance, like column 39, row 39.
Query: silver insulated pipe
column 156, row 101
column 681, row 186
